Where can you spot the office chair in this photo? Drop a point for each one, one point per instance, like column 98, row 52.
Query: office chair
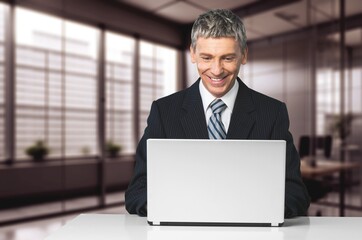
column 320, row 142
column 317, row 188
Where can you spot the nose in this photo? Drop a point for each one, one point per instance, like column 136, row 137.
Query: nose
column 216, row 68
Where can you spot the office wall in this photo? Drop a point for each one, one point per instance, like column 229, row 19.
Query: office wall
column 286, row 68
column 280, row 69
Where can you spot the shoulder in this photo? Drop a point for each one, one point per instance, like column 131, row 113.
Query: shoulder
column 267, row 107
column 175, row 99
column 180, row 98
column 255, row 99
column 263, row 101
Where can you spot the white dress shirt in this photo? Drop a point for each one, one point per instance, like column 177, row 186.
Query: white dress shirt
column 228, row 99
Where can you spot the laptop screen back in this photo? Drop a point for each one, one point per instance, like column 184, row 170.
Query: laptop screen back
column 213, row 182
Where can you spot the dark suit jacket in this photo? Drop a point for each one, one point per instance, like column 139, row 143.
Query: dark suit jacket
column 255, row 116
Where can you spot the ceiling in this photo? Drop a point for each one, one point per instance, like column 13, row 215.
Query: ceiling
column 184, row 11
column 262, row 18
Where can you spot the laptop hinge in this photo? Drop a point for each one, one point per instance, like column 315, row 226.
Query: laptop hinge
column 154, row 223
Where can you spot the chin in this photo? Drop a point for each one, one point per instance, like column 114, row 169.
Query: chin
column 218, row 93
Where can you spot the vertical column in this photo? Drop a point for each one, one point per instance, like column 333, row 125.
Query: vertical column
column 63, row 116
column 10, row 82
column 342, row 102
column 136, row 91
column 312, row 81
column 350, row 79
column 101, row 102
column 181, row 70
column 284, row 67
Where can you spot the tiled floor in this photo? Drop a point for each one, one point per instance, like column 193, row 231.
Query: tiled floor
column 38, row 230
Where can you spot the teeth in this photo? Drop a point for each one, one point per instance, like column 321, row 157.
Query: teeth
column 216, row 79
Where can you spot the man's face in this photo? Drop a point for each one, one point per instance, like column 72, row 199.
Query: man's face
column 218, row 62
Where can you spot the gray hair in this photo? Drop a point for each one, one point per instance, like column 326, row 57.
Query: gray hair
column 219, row 23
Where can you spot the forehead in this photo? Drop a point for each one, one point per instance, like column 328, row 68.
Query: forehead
column 222, row 45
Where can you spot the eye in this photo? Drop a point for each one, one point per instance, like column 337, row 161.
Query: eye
column 205, row 58
column 229, row 59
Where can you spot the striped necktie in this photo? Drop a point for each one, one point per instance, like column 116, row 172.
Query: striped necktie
column 215, row 126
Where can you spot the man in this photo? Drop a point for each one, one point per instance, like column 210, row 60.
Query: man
column 218, row 48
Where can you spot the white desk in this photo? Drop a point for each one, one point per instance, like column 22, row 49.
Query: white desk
column 129, row 227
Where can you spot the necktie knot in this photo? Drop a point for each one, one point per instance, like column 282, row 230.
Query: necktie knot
column 217, row 106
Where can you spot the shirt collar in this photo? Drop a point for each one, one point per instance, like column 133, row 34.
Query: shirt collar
column 228, row 98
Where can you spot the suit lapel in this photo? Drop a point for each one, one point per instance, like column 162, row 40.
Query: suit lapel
column 193, row 122
column 243, row 116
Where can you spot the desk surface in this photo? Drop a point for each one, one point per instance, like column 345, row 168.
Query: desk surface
column 127, row 227
column 324, row 167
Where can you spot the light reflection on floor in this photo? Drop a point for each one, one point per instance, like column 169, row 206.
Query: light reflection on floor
column 40, row 229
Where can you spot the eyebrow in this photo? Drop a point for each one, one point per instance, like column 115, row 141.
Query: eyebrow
column 224, row 55
column 229, row 55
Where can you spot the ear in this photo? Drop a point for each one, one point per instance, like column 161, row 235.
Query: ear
column 244, row 57
column 193, row 55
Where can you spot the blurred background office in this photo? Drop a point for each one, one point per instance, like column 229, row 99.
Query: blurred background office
column 77, row 78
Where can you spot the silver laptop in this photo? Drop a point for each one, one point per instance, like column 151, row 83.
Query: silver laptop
column 215, row 182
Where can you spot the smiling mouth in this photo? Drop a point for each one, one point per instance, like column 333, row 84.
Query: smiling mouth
column 217, row 79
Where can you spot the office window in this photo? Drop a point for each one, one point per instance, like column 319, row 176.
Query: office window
column 157, row 76
column 56, row 73
column 119, row 91
column 81, row 89
column 3, row 9
column 329, row 97
column 354, row 87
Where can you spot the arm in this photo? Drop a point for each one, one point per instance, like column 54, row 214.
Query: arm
column 296, row 195
column 136, row 194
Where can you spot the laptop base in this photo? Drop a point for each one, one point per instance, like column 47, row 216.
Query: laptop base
column 213, row 224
